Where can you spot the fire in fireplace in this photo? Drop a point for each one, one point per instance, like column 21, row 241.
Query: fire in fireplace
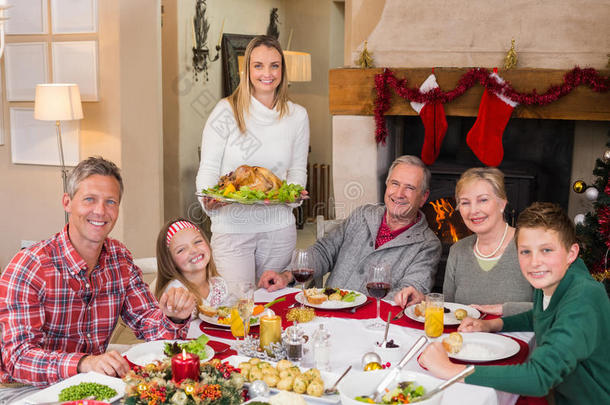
column 444, row 219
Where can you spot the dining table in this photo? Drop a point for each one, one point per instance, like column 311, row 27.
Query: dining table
column 351, row 339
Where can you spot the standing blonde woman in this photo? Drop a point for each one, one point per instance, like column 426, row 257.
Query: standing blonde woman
column 483, row 269
column 256, row 125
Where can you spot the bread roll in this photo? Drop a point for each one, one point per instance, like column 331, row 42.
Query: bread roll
column 420, row 309
column 207, row 310
column 317, row 299
column 453, row 343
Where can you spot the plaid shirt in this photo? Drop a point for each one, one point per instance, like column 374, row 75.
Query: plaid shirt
column 51, row 314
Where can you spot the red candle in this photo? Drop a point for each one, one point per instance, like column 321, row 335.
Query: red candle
column 185, row 365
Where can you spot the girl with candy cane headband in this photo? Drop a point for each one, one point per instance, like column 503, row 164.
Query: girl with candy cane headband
column 184, row 260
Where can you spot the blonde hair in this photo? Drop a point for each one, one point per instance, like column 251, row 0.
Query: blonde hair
column 491, row 175
column 167, row 269
column 240, row 99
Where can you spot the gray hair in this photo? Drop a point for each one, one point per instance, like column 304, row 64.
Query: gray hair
column 412, row 161
column 89, row 167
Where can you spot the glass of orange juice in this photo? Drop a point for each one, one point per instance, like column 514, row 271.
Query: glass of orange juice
column 435, row 314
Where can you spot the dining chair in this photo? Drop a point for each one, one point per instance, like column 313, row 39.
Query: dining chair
column 323, row 227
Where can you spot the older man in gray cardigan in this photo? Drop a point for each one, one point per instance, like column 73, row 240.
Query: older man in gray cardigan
column 395, row 235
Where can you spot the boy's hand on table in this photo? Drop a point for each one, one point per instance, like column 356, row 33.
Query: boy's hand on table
column 435, row 359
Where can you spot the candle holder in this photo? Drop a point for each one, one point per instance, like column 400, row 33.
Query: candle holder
column 201, row 53
column 250, row 347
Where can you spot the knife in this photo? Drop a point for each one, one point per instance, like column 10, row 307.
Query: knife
column 399, row 315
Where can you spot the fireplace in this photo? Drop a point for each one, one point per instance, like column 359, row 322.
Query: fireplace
column 537, row 167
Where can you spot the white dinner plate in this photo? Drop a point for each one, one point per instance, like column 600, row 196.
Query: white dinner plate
column 52, row 393
column 359, row 300
column 481, row 347
column 214, row 320
column 450, row 318
column 148, row 352
column 221, row 198
column 328, row 378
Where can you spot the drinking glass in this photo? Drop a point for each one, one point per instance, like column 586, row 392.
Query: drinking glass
column 245, row 304
column 378, row 286
column 435, row 315
column 302, row 269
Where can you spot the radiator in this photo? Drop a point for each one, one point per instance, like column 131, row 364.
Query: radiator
column 318, row 185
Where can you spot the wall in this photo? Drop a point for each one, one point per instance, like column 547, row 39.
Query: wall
column 187, row 103
column 453, row 33
column 122, row 127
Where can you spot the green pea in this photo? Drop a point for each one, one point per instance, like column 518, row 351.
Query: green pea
column 86, row 389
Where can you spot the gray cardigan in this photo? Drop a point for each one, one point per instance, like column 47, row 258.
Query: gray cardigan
column 466, row 283
column 349, row 250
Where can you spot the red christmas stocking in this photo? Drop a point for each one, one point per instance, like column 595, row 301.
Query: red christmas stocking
column 485, row 136
column 435, row 123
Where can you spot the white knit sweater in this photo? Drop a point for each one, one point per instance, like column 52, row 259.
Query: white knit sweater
column 279, row 145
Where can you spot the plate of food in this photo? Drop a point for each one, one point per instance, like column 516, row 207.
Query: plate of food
column 454, row 313
column 477, row 347
column 254, row 185
column 223, row 315
column 285, row 376
column 157, row 350
column 80, row 386
column 331, row 298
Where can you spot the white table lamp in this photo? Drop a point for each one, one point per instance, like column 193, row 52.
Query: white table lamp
column 58, row 102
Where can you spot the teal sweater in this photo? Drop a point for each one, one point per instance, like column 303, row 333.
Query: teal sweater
column 572, row 338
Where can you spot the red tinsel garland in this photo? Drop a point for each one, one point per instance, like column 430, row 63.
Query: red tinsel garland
column 387, row 79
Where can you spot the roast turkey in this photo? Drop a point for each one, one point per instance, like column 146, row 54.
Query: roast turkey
column 255, row 177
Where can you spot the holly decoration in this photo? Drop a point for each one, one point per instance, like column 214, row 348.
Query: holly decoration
column 219, row 384
column 594, row 233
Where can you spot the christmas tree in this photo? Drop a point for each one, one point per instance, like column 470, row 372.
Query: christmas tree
column 594, row 232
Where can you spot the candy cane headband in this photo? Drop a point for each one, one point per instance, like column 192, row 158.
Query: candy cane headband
column 175, row 227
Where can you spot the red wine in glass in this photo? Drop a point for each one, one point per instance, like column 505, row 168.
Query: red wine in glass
column 378, row 290
column 302, row 275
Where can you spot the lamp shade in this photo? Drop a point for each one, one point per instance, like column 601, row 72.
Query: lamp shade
column 57, row 102
column 298, row 66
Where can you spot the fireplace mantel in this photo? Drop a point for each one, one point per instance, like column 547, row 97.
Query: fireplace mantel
column 352, row 92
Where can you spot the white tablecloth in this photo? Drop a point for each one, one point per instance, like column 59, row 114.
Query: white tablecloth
column 350, row 340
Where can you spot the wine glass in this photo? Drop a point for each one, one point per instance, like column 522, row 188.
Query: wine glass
column 378, row 285
column 302, row 269
column 245, row 304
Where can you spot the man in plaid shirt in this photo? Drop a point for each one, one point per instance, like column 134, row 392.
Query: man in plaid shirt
column 61, row 298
